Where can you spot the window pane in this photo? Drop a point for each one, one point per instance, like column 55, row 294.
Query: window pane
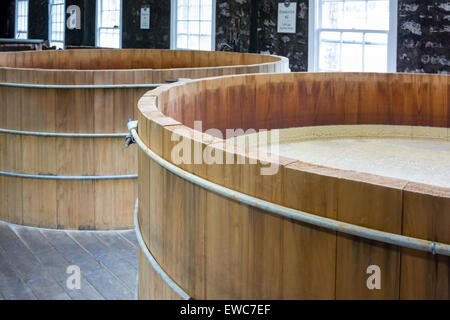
column 194, row 12
column 21, row 35
column 378, row 15
column 194, row 27
column 21, row 19
column 194, row 24
column 193, row 42
column 109, row 38
column 351, row 58
column 332, row 36
column 205, row 43
column 354, row 15
column 109, row 23
column 57, row 23
column 206, row 12
column 182, row 41
column 329, row 56
column 375, row 58
column 376, row 38
column 205, row 28
column 182, row 12
column 332, row 14
column 182, row 27
column 341, row 50
column 352, row 37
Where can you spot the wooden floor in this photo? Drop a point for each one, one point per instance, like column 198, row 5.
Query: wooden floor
column 33, row 264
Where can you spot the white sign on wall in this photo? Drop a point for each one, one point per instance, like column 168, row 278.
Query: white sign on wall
column 287, row 13
column 145, row 17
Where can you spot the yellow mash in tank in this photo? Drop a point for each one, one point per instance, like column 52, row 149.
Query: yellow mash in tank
column 419, row 154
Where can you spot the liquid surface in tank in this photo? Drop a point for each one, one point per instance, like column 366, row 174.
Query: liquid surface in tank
column 418, row 154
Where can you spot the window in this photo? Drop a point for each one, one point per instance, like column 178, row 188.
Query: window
column 57, row 23
column 109, row 20
column 21, row 19
column 193, row 24
column 353, row 35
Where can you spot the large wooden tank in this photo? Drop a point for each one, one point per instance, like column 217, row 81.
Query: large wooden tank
column 63, row 116
column 214, row 247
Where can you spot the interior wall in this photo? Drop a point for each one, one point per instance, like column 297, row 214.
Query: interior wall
column 158, row 36
column 86, row 35
column 423, row 43
column 7, row 9
column 234, row 25
column 294, row 46
column 38, row 26
column 423, row 29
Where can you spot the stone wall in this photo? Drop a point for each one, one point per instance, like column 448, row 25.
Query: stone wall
column 158, row 36
column 86, row 35
column 233, row 18
column 7, row 9
column 240, row 16
column 38, row 26
column 292, row 46
column 423, row 43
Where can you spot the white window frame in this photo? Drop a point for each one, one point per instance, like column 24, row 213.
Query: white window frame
column 17, row 32
column 173, row 25
column 314, row 36
column 97, row 28
column 50, row 5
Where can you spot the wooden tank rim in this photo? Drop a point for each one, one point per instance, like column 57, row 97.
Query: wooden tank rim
column 148, row 107
column 141, row 69
column 43, row 74
column 231, row 236
column 63, row 131
column 269, row 59
column 285, row 212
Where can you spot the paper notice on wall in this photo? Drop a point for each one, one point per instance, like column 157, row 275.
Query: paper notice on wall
column 145, row 17
column 287, row 17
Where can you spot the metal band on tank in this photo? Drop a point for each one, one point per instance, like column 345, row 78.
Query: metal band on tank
column 305, row 217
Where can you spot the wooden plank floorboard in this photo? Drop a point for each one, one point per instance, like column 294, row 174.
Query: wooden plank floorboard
column 130, row 236
column 33, row 263
column 101, row 278
column 12, row 287
column 120, row 245
column 47, row 288
column 125, row 271
column 55, row 263
column 28, row 267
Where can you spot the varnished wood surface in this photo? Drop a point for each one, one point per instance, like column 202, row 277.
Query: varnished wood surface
column 100, row 205
column 215, row 248
column 110, row 59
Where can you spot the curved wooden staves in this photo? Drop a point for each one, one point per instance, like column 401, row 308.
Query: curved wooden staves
column 63, row 114
column 215, row 248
